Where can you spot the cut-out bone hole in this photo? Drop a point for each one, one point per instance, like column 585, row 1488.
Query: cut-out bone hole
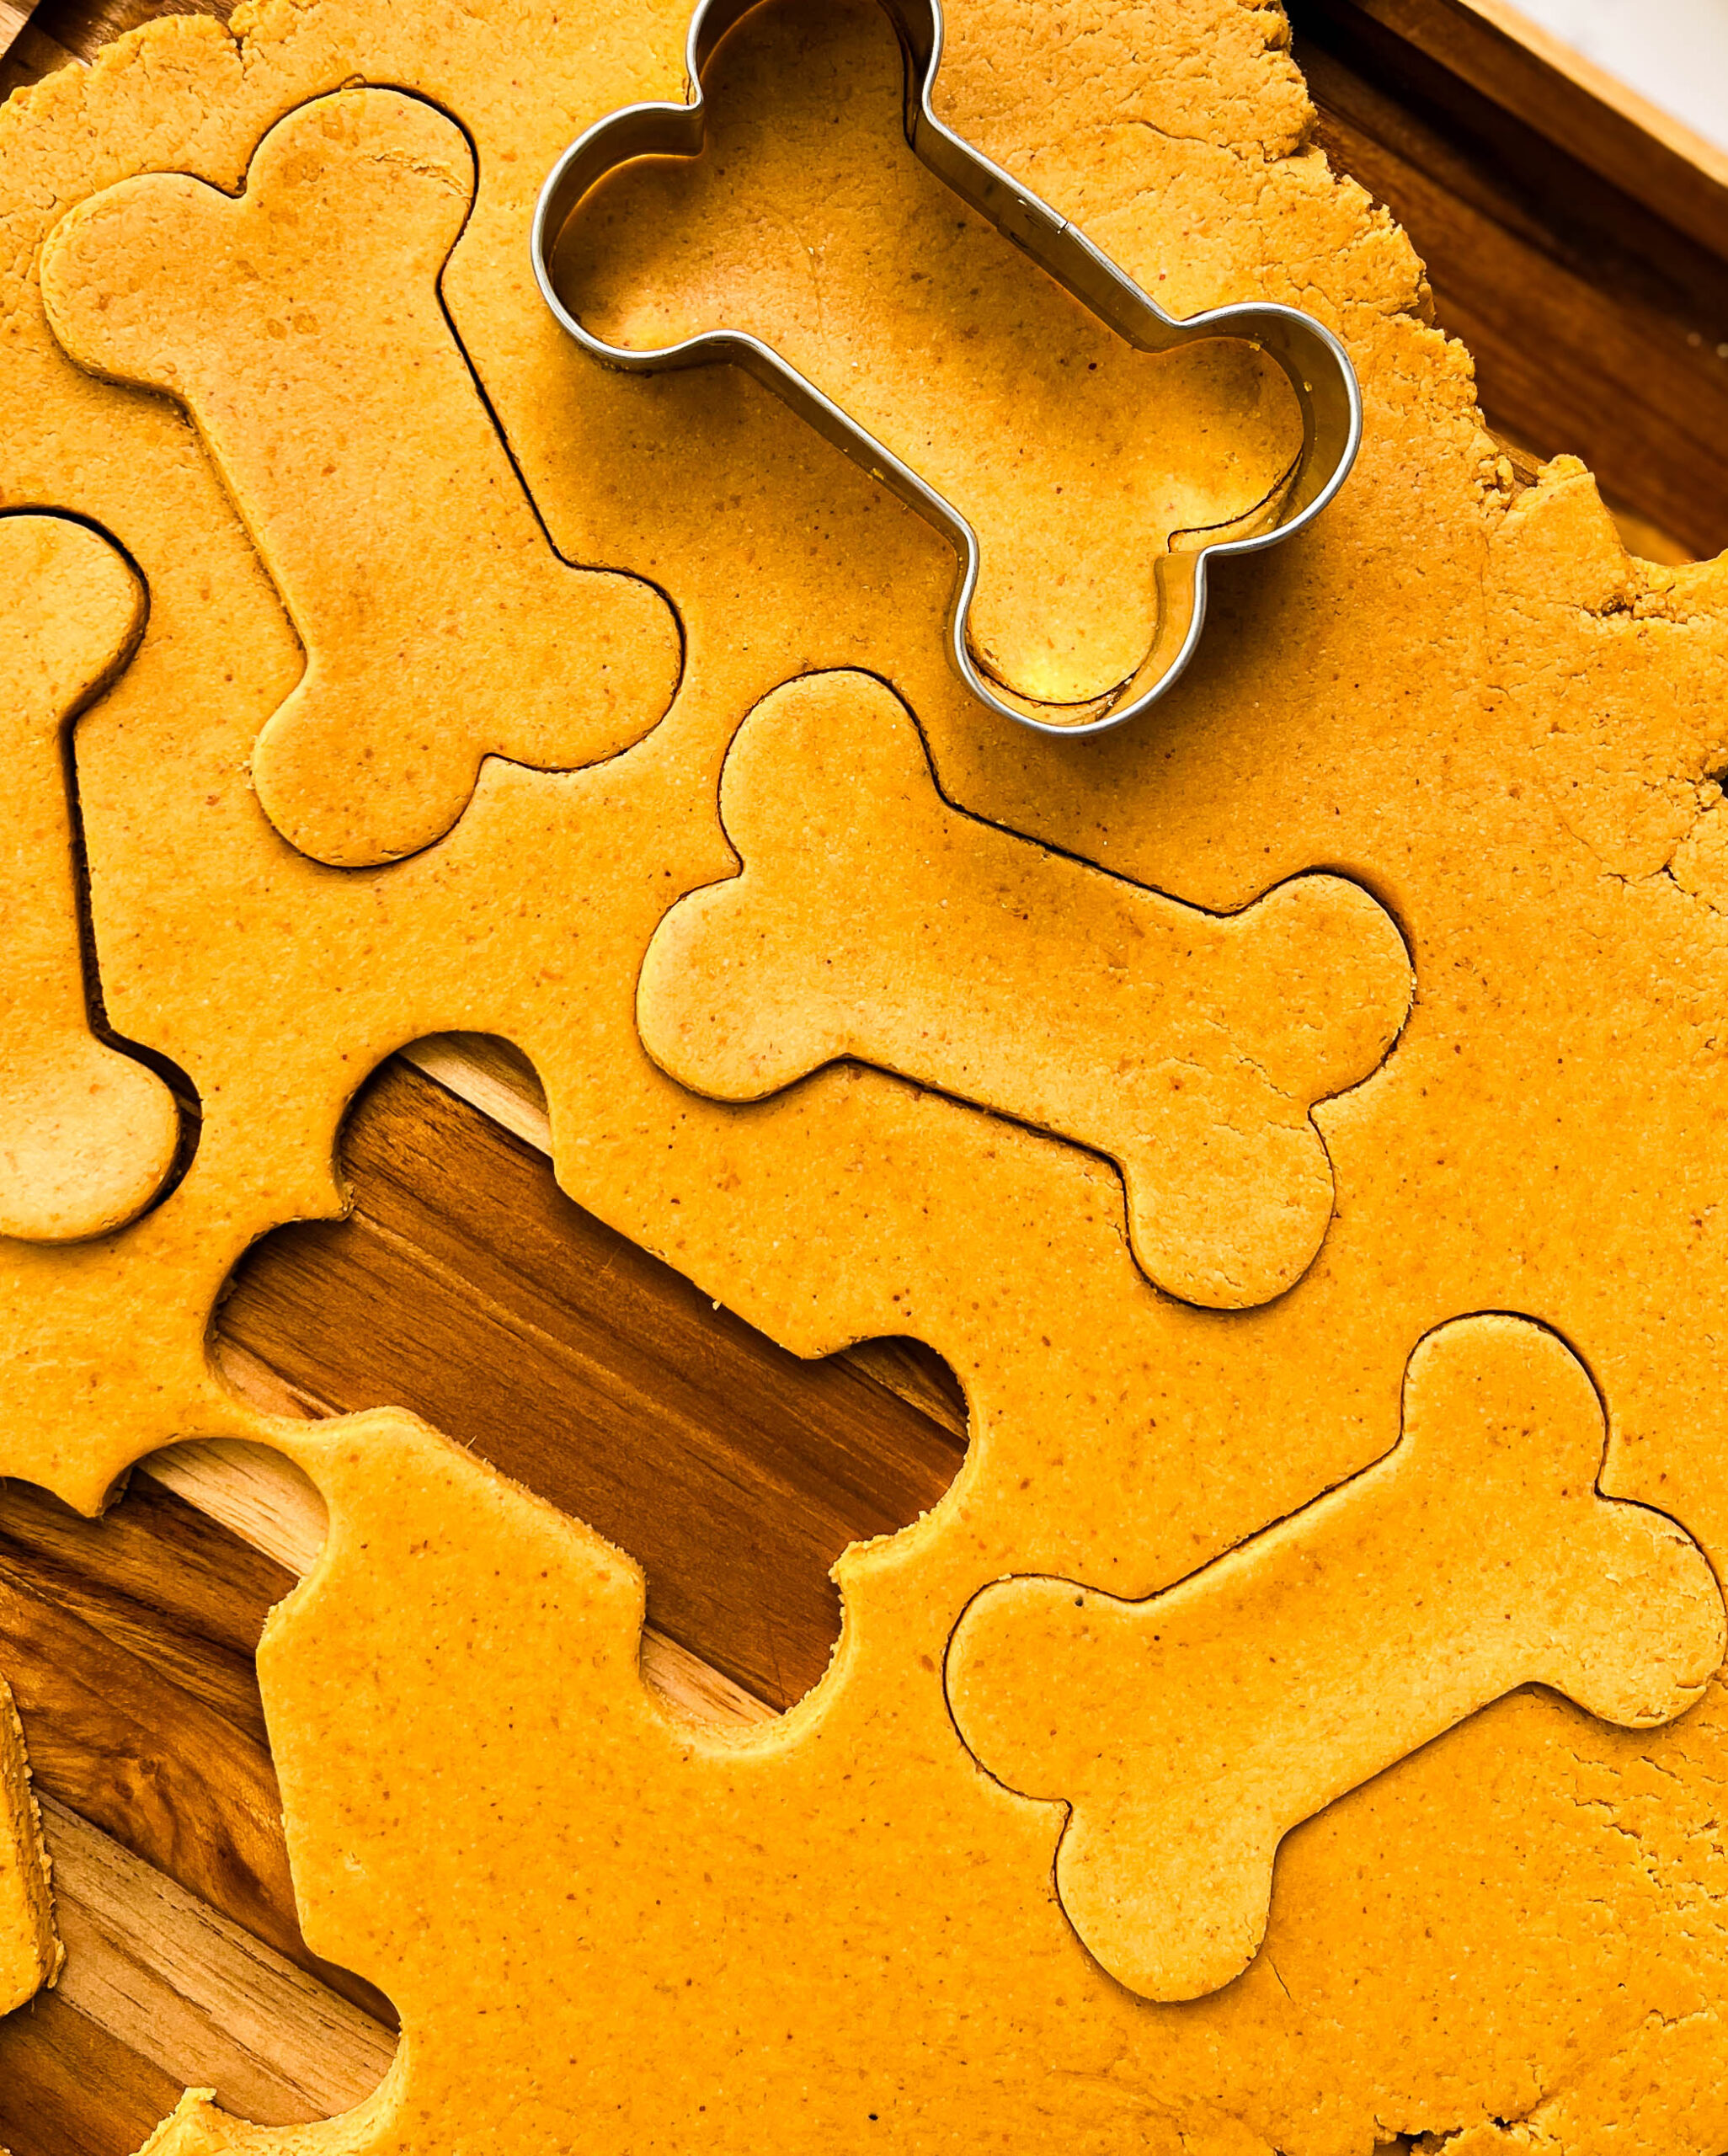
column 873, row 920
column 87, row 1135
column 810, row 235
column 301, row 324
column 593, row 1374
column 1189, row 1732
column 30, row 1951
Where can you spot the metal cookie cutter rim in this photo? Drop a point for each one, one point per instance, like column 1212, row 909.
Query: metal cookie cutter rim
column 1317, row 366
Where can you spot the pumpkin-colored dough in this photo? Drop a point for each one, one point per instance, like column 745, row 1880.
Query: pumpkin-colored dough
column 1189, row 1050
column 1189, row 1732
column 1462, row 697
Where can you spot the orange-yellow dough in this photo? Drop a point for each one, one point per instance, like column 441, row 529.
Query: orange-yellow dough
column 1462, row 697
column 1188, row 1733
column 301, row 325
column 807, row 221
column 29, row 1950
column 911, row 1987
column 873, row 920
column 86, row 1135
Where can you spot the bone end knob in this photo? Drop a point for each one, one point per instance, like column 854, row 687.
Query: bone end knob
column 86, row 1135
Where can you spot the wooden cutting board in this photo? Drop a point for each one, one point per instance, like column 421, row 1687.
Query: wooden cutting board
column 1584, row 258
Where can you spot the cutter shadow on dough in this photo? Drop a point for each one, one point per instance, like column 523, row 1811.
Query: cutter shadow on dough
column 1318, row 368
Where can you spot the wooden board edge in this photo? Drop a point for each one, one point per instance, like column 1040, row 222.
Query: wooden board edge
column 1560, row 96
column 1606, row 90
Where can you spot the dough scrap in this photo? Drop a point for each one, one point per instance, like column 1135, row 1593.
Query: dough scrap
column 1467, row 699
column 302, row 326
column 1190, row 1732
column 872, row 920
column 86, row 1135
column 195, row 2127
column 30, row 1952
column 1075, row 457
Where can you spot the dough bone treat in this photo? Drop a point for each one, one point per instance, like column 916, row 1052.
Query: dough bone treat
column 86, row 1135
column 873, row 920
column 301, row 325
column 1189, row 1732
column 1081, row 462
column 30, row 1953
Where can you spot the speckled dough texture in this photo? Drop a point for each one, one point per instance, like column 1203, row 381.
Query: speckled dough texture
column 606, row 1928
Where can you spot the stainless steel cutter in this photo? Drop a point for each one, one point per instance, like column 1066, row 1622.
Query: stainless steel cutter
column 1318, row 369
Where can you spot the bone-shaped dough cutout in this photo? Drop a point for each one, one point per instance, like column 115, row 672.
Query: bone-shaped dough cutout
column 808, row 222
column 30, row 1949
column 1189, row 1732
column 301, row 325
column 86, row 1135
column 873, row 920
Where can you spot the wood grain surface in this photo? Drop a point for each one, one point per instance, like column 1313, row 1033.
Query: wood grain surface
column 1560, row 96
column 15, row 14
column 1584, row 260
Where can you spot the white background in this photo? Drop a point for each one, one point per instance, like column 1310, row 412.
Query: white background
column 1674, row 52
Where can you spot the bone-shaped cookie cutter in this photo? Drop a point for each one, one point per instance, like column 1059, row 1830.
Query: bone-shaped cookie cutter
column 1318, row 368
